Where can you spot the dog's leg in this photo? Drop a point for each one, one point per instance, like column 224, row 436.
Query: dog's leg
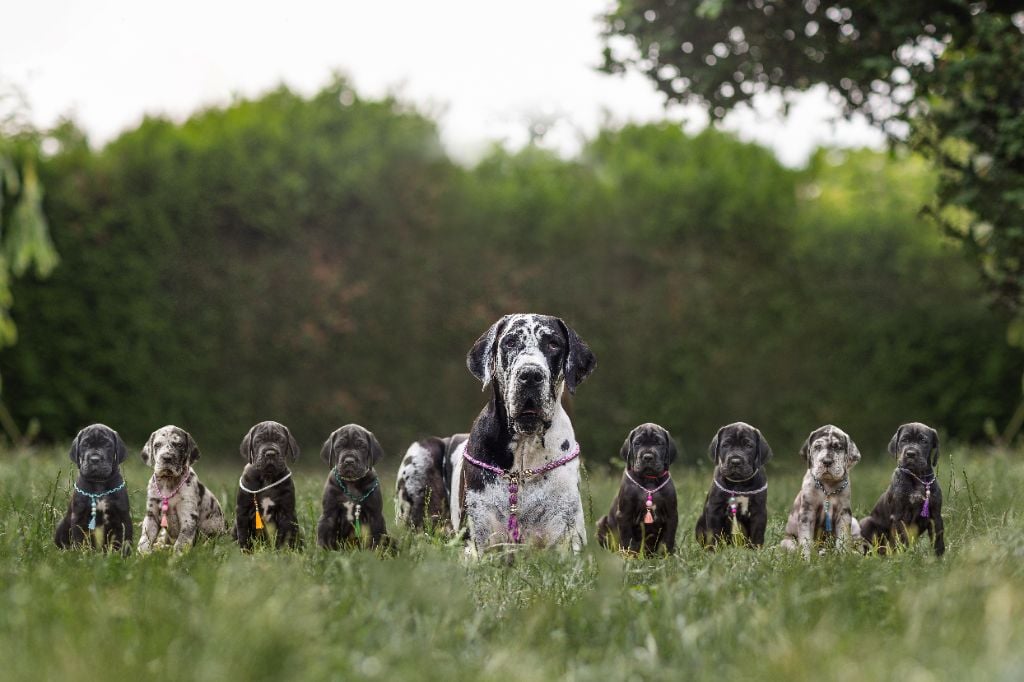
column 378, row 531
column 62, row 536
column 758, row 523
column 147, row 534
column 805, row 528
column 669, row 534
column 188, row 526
column 938, row 533
column 602, row 532
column 844, row 530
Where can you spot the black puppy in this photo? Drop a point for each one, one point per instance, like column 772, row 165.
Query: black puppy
column 266, row 493
column 912, row 504
column 98, row 513
column 643, row 515
column 737, row 503
column 352, row 492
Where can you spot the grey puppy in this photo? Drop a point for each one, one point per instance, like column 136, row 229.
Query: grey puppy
column 266, row 492
column 912, row 504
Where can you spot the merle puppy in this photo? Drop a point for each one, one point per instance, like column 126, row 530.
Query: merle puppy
column 643, row 515
column 912, row 504
column 98, row 513
column 179, row 506
column 266, row 493
column 516, row 480
column 821, row 509
column 352, row 494
column 421, row 490
column 736, row 508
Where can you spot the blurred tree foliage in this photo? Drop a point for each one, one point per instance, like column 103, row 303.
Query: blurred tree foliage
column 944, row 76
column 321, row 260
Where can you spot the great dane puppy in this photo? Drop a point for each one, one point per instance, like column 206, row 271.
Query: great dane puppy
column 352, row 494
column 422, row 490
column 643, row 515
column 736, row 508
column 266, row 492
column 912, row 504
column 516, row 480
column 179, row 506
column 98, row 514
column 822, row 507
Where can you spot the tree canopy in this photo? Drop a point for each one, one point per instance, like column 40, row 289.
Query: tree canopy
column 944, row 77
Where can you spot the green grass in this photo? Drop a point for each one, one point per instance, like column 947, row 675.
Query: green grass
column 427, row 614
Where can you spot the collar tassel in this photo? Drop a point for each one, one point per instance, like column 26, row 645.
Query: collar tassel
column 649, row 517
column 733, row 521
column 259, row 519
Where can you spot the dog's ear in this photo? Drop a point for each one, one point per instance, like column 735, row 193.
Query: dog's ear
column 762, row 451
column 933, row 458
column 376, row 451
column 245, row 448
column 627, row 446
column 147, row 450
column 579, row 359
column 74, row 453
column 805, row 449
column 327, row 451
column 481, row 356
column 672, row 451
column 120, row 449
column 852, row 452
column 192, row 447
column 293, row 445
column 713, row 447
column 894, row 441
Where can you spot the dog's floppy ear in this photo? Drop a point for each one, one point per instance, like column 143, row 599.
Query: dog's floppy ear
column 327, row 451
column 147, row 450
column 120, row 449
column 579, row 359
column 191, row 446
column 933, row 458
column 627, row 446
column 852, row 452
column 805, row 449
column 894, row 441
column 762, row 451
column 293, row 445
column 74, row 453
column 482, row 354
column 245, row 449
column 713, row 447
column 376, row 451
column 672, row 451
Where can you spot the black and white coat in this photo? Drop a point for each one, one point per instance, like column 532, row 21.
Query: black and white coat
column 528, row 360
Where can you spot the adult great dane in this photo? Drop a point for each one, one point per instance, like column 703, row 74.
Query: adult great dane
column 516, row 479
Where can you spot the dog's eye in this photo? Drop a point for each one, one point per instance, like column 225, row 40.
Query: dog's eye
column 748, row 443
column 554, row 345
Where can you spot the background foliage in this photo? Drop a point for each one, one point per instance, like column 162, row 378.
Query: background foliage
column 943, row 77
column 321, row 260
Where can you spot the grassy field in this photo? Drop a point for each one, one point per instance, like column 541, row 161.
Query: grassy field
column 426, row 614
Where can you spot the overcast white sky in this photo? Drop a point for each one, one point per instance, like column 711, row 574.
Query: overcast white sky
column 482, row 68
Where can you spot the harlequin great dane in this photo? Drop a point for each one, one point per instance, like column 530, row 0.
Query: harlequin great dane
column 516, row 479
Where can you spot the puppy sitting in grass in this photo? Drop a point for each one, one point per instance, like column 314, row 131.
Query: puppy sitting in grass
column 98, row 513
column 912, row 504
column 179, row 506
column 736, row 508
column 821, row 510
column 643, row 516
column 265, row 506
column 352, row 496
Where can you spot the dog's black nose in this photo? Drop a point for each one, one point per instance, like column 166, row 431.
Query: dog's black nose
column 531, row 376
column 647, row 456
column 735, row 460
column 348, row 459
column 911, row 452
column 94, row 457
column 828, row 461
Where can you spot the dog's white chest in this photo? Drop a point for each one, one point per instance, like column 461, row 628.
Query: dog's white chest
column 266, row 508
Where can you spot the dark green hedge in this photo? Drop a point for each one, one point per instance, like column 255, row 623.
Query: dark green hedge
column 319, row 263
